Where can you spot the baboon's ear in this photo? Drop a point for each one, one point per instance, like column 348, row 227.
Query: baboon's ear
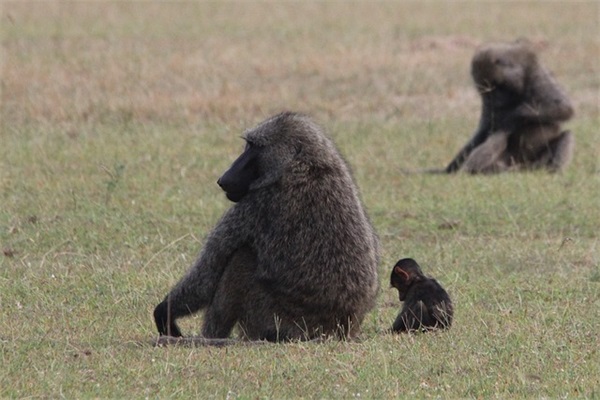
column 402, row 273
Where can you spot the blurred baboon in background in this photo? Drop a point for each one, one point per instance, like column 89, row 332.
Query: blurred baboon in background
column 295, row 257
column 522, row 111
column 426, row 304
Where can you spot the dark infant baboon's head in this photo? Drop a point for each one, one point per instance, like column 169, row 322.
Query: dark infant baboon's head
column 503, row 66
column 405, row 273
column 288, row 145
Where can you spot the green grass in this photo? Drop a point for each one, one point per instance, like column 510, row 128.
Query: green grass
column 117, row 118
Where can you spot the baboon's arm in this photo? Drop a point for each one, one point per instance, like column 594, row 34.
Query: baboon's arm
column 478, row 137
column 544, row 111
column 400, row 324
column 197, row 288
column 486, row 154
column 544, row 101
column 460, row 158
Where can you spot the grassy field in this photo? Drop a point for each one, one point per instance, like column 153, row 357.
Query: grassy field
column 116, row 119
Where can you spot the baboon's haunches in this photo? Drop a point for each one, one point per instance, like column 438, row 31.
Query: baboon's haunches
column 426, row 303
column 295, row 257
column 522, row 111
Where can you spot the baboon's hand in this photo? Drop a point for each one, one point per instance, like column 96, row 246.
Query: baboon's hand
column 166, row 326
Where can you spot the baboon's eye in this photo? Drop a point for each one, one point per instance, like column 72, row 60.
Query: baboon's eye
column 251, row 145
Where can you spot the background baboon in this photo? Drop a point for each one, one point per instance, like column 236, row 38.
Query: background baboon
column 426, row 303
column 522, row 109
column 295, row 257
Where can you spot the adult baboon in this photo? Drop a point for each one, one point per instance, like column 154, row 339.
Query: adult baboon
column 522, row 111
column 295, row 257
column 426, row 303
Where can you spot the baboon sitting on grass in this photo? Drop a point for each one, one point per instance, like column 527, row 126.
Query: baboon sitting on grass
column 295, row 257
column 426, row 305
column 522, row 111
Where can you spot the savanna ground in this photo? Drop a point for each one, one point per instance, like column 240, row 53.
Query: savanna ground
column 117, row 118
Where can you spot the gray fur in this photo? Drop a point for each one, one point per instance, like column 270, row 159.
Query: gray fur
column 523, row 108
column 296, row 257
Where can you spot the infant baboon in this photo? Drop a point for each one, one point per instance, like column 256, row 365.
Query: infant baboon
column 426, row 304
column 522, row 111
column 295, row 257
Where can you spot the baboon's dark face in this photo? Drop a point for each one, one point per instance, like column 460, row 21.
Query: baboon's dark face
column 237, row 179
column 405, row 273
column 503, row 68
column 402, row 280
column 399, row 281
